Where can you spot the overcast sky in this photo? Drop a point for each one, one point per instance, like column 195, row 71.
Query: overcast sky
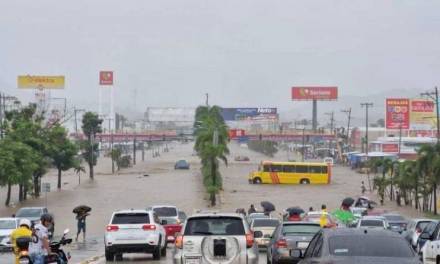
column 242, row 52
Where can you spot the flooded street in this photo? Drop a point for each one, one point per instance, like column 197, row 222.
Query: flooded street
column 154, row 181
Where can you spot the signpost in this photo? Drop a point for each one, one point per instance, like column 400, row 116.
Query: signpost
column 40, row 82
column 45, row 188
column 314, row 94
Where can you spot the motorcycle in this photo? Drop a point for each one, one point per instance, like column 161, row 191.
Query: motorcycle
column 23, row 249
column 57, row 254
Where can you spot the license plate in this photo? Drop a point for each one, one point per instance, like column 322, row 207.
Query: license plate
column 302, row 245
column 195, row 260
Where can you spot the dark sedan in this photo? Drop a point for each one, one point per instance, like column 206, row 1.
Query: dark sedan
column 397, row 222
column 357, row 246
column 181, row 165
column 288, row 236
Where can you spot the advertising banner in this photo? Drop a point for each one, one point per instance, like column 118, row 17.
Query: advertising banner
column 106, row 78
column 397, row 113
column 390, row 147
column 40, row 82
column 252, row 113
column 422, row 116
column 315, row 93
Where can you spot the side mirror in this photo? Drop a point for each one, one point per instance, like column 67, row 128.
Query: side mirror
column 163, row 222
column 425, row 236
column 297, row 253
column 66, row 231
column 258, row 234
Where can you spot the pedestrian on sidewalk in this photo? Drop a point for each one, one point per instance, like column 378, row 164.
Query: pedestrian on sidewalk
column 81, row 224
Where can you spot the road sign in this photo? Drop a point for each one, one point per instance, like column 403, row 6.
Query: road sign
column 45, row 187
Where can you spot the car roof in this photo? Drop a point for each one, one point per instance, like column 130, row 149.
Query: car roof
column 8, row 219
column 423, row 220
column 373, row 217
column 359, row 231
column 214, row 214
column 132, row 211
column 163, row 205
column 300, row 223
column 36, row 207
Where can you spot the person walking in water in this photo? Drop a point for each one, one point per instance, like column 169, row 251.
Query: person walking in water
column 81, row 224
column 252, row 209
column 363, row 189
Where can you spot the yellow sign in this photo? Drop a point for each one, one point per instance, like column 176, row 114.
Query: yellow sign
column 40, row 82
column 422, row 116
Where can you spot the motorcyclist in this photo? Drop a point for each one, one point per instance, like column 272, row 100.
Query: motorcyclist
column 41, row 248
column 24, row 230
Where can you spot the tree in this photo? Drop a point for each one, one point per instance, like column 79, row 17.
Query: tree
column 429, row 161
column 91, row 125
column 62, row 150
column 116, row 155
column 211, row 146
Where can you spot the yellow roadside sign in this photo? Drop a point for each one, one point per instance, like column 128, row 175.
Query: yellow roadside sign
column 40, row 82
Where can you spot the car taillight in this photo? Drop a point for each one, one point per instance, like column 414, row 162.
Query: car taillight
column 178, row 242
column 112, row 228
column 249, row 240
column 148, row 227
column 281, row 243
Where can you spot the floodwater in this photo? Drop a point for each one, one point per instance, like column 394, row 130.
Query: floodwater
column 154, row 181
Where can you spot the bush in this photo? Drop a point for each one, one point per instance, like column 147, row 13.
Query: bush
column 268, row 148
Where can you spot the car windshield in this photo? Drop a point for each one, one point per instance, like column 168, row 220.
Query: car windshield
column 265, row 223
column 165, row 211
column 170, row 220
column 29, row 212
column 220, row 226
column 301, row 229
column 181, row 162
column 7, row 224
column 131, row 218
column 421, row 225
column 370, row 246
column 378, row 223
column 394, row 217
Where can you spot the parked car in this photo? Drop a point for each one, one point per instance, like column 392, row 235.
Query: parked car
column 241, row 158
column 315, row 217
column 253, row 216
column 379, row 222
column 430, row 232
column 397, row 222
column 430, row 251
column 134, row 231
column 414, row 229
column 287, row 237
column 7, row 225
column 181, row 165
column 267, row 226
column 34, row 214
column 360, row 246
column 216, row 238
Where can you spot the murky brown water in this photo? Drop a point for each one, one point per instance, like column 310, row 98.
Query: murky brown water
column 164, row 185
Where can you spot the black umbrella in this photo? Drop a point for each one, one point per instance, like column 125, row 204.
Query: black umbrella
column 267, row 206
column 348, row 201
column 81, row 209
column 295, row 210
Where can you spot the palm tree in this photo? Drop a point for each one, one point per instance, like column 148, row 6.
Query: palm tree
column 211, row 146
column 429, row 164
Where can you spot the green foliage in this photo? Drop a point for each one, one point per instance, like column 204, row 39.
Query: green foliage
column 268, row 148
column 211, row 146
column 91, row 125
column 115, row 155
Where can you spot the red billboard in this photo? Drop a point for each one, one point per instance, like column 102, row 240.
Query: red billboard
column 315, row 93
column 105, row 78
column 397, row 113
column 390, row 147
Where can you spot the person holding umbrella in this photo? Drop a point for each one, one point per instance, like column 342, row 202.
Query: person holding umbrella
column 81, row 212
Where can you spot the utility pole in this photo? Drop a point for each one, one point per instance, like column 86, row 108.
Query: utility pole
column 303, row 143
column 76, row 120
column 348, row 111
column 366, row 105
column 207, row 99
column 332, row 121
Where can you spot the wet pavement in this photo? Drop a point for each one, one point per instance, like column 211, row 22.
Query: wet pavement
column 154, row 181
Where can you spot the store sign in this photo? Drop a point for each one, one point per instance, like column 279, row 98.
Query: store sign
column 40, row 82
column 390, row 148
column 397, row 113
column 315, row 93
column 106, row 78
column 422, row 116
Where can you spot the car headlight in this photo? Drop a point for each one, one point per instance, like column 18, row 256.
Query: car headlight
column 24, row 261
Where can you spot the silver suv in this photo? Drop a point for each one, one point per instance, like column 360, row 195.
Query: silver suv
column 216, row 238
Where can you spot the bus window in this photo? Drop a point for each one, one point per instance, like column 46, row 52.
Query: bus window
column 315, row 169
column 289, row 168
column 324, row 169
column 302, row 169
column 266, row 168
column 276, row 168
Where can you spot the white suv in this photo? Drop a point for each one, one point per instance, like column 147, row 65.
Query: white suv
column 134, row 231
column 216, row 238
